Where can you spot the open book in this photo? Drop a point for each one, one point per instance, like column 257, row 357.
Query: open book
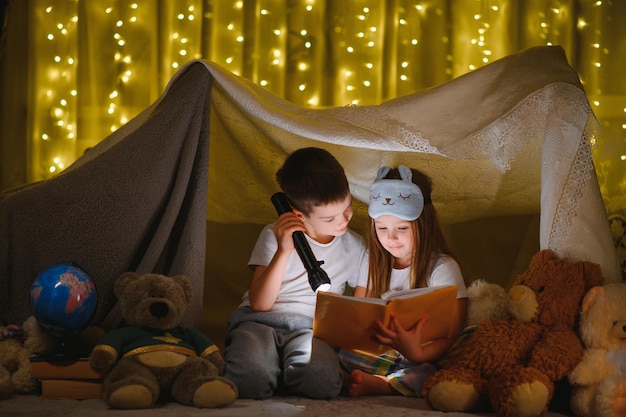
column 344, row 321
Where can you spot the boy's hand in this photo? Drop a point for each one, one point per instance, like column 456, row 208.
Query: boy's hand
column 286, row 224
column 266, row 281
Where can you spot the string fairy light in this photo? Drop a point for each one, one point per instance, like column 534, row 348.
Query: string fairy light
column 311, row 52
column 54, row 111
column 227, row 39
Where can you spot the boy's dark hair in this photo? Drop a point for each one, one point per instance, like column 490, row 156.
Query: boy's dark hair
column 312, row 177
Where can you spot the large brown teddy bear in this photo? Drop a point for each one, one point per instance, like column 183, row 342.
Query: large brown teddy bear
column 512, row 364
column 599, row 381
column 153, row 358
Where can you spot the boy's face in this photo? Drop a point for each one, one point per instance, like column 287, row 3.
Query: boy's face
column 325, row 222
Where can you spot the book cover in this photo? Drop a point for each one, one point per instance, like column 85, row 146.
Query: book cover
column 344, row 321
column 62, row 368
column 72, row 389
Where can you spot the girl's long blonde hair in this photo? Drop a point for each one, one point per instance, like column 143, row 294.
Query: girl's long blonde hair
column 430, row 242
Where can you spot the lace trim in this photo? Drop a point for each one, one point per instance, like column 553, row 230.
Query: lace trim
column 577, row 178
column 523, row 124
column 370, row 118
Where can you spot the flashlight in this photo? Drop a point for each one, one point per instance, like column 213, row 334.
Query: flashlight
column 318, row 278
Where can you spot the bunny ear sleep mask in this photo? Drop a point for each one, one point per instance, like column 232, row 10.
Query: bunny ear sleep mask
column 396, row 197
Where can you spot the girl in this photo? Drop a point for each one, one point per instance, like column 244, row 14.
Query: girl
column 407, row 249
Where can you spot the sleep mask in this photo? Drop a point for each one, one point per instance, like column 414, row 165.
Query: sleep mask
column 396, row 197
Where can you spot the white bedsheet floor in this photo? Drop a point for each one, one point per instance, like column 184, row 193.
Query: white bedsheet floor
column 372, row 406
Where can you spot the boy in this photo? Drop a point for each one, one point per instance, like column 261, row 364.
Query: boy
column 269, row 346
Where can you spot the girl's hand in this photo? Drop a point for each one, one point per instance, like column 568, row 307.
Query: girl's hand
column 407, row 342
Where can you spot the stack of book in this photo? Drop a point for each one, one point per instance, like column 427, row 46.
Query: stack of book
column 65, row 378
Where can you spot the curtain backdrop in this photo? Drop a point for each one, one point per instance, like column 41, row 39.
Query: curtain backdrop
column 73, row 71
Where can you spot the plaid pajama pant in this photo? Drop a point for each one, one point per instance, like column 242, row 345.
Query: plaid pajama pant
column 404, row 376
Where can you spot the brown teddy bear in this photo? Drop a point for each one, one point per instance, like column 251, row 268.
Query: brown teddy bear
column 512, row 364
column 153, row 358
column 599, row 381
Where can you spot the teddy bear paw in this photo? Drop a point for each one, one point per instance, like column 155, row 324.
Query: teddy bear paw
column 528, row 400
column 453, row 396
column 216, row 393
column 619, row 402
column 131, row 397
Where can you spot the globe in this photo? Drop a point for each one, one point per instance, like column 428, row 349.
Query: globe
column 63, row 299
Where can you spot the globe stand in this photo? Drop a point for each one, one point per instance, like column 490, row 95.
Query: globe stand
column 66, row 348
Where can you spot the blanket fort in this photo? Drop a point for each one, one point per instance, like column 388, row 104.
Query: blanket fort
column 509, row 139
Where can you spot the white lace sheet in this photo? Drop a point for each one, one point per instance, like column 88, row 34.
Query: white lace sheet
column 532, row 156
column 555, row 126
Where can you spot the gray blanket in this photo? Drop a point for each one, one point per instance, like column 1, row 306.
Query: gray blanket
column 135, row 202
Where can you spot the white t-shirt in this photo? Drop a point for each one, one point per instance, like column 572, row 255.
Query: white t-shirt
column 344, row 261
column 445, row 271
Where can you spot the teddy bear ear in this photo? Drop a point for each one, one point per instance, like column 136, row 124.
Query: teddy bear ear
column 543, row 256
column 122, row 281
column 591, row 296
column 185, row 284
column 593, row 275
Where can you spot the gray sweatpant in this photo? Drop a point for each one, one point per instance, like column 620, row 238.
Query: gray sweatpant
column 275, row 353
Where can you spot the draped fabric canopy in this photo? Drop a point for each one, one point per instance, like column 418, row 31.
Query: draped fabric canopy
column 510, row 139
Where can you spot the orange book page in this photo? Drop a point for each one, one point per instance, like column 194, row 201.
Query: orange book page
column 439, row 306
column 344, row 321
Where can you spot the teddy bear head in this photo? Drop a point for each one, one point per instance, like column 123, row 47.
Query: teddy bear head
column 152, row 300
column 603, row 317
column 38, row 340
column 486, row 300
column 550, row 291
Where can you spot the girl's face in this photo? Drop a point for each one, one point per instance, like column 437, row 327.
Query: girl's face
column 396, row 236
